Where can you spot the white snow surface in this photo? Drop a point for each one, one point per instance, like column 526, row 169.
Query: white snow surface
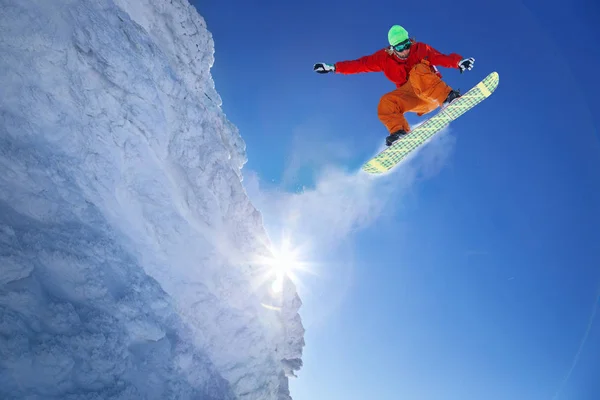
column 128, row 245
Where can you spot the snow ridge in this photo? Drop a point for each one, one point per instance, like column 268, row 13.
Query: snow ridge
column 127, row 241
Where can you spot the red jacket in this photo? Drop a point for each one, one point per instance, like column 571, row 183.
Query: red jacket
column 395, row 69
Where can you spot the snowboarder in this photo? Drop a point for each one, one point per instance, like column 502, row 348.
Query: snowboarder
column 411, row 66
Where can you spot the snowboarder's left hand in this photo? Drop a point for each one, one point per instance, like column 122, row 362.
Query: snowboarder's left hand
column 323, row 68
column 467, row 63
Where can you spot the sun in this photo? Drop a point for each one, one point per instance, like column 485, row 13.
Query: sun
column 284, row 262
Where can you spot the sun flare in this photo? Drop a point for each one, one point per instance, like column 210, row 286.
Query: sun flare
column 284, row 262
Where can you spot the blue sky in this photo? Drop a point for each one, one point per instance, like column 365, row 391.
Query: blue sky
column 474, row 271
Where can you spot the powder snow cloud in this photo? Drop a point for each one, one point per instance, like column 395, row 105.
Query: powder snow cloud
column 340, row 202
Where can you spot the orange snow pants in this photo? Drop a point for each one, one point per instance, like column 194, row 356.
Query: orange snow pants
column 422, row 93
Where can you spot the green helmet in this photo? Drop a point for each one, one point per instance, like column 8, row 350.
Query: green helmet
column 397, row 34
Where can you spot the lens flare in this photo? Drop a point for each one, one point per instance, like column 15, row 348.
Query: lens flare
column 284, row 262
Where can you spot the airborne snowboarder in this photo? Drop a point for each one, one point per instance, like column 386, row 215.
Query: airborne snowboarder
column 411, row 65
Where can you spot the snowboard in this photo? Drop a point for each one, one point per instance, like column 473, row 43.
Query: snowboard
column 391, row 156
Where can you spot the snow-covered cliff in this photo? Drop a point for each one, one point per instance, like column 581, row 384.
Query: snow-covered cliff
column 128, row 247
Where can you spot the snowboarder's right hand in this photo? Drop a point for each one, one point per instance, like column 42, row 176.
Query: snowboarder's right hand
column 323, row 68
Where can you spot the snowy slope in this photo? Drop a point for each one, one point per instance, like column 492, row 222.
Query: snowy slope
column 128, row 246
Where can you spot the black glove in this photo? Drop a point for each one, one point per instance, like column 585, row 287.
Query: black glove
column 323, row 68
column 467, row 63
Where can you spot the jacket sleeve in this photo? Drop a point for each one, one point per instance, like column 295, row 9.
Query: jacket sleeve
column 370, row 63
column 442, row 60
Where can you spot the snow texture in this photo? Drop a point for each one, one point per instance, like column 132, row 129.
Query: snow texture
column 128, row 245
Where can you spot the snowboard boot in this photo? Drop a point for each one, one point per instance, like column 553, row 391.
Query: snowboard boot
column 394, row 136
column 454, row 94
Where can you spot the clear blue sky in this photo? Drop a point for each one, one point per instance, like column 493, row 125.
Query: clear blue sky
column 481, row 283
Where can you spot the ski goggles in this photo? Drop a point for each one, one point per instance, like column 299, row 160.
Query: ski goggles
column 400, row 47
